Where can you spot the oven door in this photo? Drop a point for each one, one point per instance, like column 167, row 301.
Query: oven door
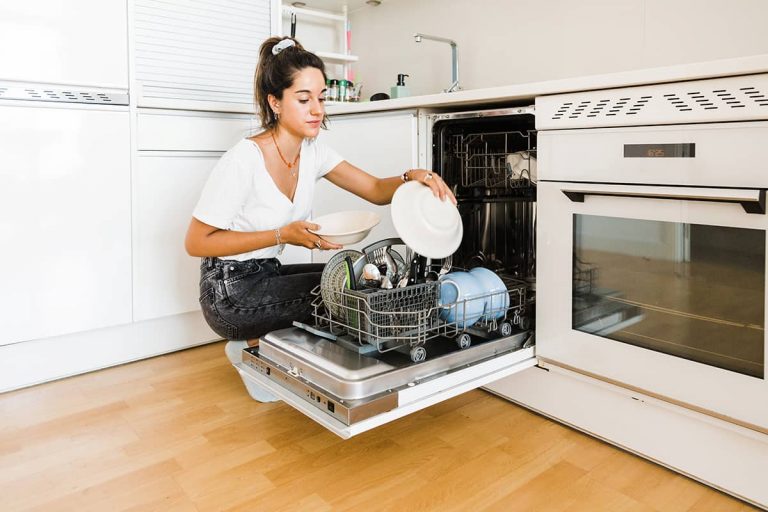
column 661, row 289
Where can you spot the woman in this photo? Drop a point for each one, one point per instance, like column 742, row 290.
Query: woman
column 259, row 195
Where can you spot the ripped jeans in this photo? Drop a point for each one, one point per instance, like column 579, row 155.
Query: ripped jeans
column 243, row 300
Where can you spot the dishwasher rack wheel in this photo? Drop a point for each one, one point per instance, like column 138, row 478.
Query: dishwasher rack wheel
column 418, row 354
column 464, row 340
column 505, row 329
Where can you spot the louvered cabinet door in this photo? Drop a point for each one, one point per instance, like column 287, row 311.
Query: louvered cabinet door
column 197, row 55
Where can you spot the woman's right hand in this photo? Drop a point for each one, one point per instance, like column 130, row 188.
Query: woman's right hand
column 297, row 233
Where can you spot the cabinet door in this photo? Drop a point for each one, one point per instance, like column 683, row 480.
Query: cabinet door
column 64, row 220
column 77, row 42
column 381, row 144
column 166, row 189
column 197, row 55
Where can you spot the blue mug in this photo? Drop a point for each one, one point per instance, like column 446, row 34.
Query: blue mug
column 495, row 291
column 462, row 299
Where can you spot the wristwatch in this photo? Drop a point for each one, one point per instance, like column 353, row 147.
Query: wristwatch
column 405, row 177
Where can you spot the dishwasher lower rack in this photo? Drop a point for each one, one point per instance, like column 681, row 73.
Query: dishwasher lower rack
column 406, row 318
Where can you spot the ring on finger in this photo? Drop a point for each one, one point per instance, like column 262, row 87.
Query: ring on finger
column 318, row 244
column 428, row 177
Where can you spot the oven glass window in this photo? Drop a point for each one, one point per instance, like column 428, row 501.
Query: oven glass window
column 688, row 290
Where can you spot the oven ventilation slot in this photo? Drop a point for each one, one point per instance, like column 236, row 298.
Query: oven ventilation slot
column 683, row 101
column 605, row 107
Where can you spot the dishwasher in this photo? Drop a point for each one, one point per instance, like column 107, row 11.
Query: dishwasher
column 371, row 357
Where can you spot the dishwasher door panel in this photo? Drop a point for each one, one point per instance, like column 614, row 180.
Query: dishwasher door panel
column 352, row 417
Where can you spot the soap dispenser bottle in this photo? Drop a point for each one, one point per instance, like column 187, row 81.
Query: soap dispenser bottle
column 400, row 90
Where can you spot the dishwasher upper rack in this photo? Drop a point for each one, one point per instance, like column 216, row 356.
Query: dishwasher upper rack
column 406, row 318
column 482, row 159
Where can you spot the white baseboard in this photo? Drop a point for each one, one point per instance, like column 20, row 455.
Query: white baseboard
column 37, row 361
column 728, row 457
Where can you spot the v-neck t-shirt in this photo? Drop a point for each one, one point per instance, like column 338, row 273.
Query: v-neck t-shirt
column 240, row 194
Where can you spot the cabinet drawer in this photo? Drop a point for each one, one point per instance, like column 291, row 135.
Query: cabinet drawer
column 183, row 132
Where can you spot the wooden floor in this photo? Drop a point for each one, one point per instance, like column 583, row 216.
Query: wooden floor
column 178, row 433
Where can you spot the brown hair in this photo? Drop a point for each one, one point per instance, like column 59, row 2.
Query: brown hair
column 275, row 73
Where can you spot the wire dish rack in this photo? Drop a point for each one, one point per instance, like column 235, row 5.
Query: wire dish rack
column 485, row 159
column 406, row 318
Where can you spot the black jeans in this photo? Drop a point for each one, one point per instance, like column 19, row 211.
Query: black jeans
column 243, row 300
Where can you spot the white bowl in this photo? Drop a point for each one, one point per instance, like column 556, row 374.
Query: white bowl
column 496, row 293
column 346, row 227
column 429, row 226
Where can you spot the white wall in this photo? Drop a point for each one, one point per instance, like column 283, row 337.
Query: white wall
column 511, row 41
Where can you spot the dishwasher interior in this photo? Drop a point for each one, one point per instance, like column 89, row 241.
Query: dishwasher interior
column 366, row 351
column 490, row 163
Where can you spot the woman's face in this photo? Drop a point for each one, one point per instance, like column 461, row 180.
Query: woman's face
column 302, row 108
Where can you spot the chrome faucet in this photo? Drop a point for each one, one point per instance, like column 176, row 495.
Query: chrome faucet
column 454, row 58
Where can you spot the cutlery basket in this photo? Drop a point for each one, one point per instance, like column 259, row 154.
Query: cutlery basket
column 392, row 318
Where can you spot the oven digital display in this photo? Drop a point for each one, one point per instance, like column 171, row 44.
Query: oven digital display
column 683, row 150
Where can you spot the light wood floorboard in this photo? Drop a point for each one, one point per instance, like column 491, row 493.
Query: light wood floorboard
column 179, row 433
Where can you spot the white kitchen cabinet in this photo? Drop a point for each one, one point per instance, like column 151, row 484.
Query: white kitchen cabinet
column 383, row 145
column 166, row 189
column 75, row 42
column 176, row 153
column 64, row 219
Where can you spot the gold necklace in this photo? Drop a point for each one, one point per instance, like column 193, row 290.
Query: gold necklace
column 286, row 162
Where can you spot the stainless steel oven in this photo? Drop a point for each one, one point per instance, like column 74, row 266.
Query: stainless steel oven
column 651, row 251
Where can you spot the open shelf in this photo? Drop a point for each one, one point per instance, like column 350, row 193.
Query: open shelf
column 337, row 58
column 339, row 19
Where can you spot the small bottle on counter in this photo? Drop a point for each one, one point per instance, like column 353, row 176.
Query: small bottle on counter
column 399, row 90
column 350, row 91
column 333, row 90
column 355, row 91
column 343, row 87
column 332, row 94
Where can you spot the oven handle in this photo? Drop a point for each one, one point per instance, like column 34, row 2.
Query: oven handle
column 752, row 200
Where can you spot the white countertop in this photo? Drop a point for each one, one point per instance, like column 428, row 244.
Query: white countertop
column 527, row 91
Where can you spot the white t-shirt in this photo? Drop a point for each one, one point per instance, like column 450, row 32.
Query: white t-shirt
column 240, row 195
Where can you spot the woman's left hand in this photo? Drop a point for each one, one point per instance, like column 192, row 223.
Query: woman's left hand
column 433, row 181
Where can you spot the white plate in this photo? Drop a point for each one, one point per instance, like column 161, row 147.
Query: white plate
column 429, row 226
column 348, row 227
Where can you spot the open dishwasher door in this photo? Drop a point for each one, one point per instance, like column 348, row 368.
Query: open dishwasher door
column 350, row 393
column 377, row 369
